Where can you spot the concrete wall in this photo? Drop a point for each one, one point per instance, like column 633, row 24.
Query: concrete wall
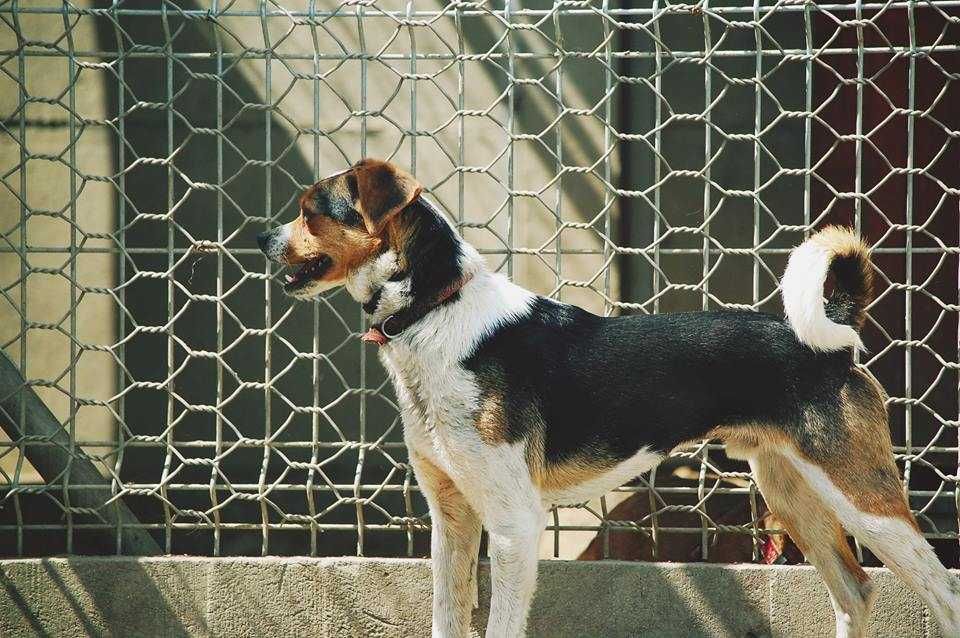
column 51, row 198
column 46, row 212
column 390, row 597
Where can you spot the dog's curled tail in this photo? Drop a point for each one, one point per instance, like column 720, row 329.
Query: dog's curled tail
column 833, row 326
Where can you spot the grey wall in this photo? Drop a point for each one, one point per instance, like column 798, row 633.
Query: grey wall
column 254, row 196
column 389, row 597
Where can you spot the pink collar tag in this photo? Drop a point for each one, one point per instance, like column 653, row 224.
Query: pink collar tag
column 375, row 335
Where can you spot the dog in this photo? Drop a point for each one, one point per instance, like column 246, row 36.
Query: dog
column 512, row 402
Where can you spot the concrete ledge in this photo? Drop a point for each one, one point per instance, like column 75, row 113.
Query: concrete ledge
column 181, row 596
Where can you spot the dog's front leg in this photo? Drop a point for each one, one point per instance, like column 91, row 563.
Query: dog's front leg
column 514, row 537
column 454, row 545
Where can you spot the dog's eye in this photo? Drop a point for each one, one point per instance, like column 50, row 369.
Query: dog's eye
column 352, row 218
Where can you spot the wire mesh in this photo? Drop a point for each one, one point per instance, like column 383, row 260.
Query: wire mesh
column 627, row 157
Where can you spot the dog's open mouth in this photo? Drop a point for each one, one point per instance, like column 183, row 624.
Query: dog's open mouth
column 310, row 271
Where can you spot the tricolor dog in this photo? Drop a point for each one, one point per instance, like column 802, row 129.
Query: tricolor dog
column 513, row 402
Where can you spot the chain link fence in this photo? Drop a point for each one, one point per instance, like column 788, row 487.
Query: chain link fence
column 628, row 157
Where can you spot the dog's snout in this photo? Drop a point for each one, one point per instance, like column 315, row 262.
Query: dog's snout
column 274, row 242
column 262, row 240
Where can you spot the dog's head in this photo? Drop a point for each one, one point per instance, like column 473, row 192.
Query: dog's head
column 342, row 224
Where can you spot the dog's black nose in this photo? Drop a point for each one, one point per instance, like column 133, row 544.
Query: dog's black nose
column 262, row 239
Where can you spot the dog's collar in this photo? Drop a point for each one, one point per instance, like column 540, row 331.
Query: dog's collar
column 390, row 328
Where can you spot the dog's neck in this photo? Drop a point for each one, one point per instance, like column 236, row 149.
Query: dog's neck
column 431, row 259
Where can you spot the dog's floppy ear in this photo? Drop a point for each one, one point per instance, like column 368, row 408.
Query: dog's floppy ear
column 383, row 191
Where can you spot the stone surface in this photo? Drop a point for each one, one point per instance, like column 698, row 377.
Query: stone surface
column 180, row 596
column 897, row 613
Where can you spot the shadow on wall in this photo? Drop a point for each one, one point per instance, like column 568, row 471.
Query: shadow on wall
column 251, row 196
column 117, row 597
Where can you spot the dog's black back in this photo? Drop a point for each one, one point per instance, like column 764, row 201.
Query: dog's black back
column 610, row 386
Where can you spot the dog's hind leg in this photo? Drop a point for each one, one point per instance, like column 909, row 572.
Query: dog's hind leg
column 888, row 528
column 857, row 479
column 818, row 533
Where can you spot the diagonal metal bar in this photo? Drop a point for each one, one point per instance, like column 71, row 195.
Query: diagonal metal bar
column 24, row 417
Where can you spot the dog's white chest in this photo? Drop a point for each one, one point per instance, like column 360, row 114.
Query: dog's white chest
column 438, row 402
